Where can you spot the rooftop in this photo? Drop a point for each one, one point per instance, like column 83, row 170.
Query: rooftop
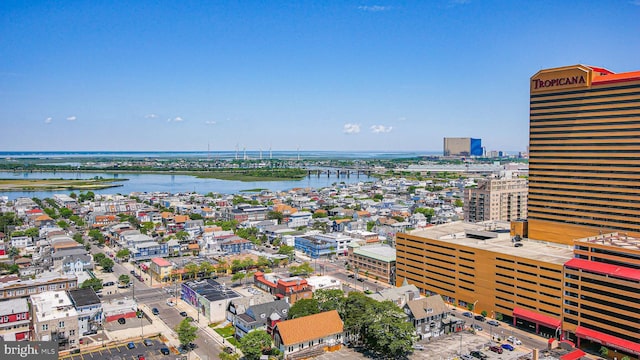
column 212, row 290
column 13, row 306
column 494, row 236
column 379, row 252
column 84, row 297
column 310, row 327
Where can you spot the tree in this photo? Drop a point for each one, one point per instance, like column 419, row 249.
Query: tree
column 206, row 268
column 94, row 283
column 304, row 307
column 286, row 250
column 302, row 269
column 123, row 254
column 182, row 235
column 63, row 224
column 146, row 227
column 484, row 313
column 98, row 257
column 107, row 265
column 78, row 238
column 330, row 299
column 275, row 215
column 191, row 269
column 224, row 356
column 32, row 232
column 255, row 343
column 186, row 332
column 604, row 351
column 387, row 333
column 96, row 235
column 239, row 276
column 124, row 279
column 370, row 225
column 65, row 212
column 458, row 203
column 499, row 316
column 428, row 213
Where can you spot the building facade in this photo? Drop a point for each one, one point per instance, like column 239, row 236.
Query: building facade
column 374, row 261
column 496, row 199
column 55, row 319
column 583, row 153
column 15, row 320
column 462, row 147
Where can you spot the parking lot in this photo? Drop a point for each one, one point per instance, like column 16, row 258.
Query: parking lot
column 443, row 348
column 122, row 352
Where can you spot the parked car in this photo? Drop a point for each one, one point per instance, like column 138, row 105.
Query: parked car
column 132, row 272
column 121, row 321
column 170, row 302
column 477, row 327
column 155, row 311
column 418, row 347
column 140, row 357
column 493, row 323
column 478, row 355
column 496, row 349
column 467, row 357
column 514, row 340
column 479, row 318
column 467, row 314
column 147, row 342
column 507, row 347
column 183, row 313
column 109, row 283
column 164, row 350
column 131, row 345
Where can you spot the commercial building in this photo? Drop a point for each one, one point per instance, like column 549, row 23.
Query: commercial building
column 374, row 261
column 575, row 271
column 584, row 152
column 496, row 199
column 462, row 147
column 209, row 298
column 479, row 265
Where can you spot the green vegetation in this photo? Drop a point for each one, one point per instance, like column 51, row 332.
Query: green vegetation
column 94, row 283
column 57, row 184
column 186, row 332
column 255, row 343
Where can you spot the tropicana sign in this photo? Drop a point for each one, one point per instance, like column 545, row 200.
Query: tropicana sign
column 561, row 78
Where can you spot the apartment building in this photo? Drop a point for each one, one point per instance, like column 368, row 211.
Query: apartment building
column 496, row 199
column 15, row 320
column 55, row 319
column 12, row 287
column 374, row 261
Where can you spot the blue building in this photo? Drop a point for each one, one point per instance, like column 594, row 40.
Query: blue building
column 476, row 147
column 236, row 245
column 316, row 246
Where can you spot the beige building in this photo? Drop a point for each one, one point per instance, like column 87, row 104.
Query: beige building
column 503, row 199
column 55, row 319
column 373, row 261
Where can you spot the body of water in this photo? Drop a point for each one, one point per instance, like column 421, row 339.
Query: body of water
column 219, row 155
column 173, row 183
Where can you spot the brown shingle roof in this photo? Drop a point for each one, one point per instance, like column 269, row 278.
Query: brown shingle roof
column 310, row 327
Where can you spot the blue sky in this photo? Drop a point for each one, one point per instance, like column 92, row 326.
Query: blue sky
column 314, row 75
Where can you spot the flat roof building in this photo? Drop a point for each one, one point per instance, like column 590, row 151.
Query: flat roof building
column 459, row 146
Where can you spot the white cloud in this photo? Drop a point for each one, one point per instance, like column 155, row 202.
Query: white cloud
column 374, row 8
column 48, row 120
column 151, row 116
column 178, row 119
column 72, row 118
column 351, row 128
column 379, row 129
column 210, row 122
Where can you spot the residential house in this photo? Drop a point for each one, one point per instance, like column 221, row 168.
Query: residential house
column 299, row 219
column 89, row 308
column 239, row 306
column 261, row 317
column 236, row 245
column 309, row 336
column 55, row 319
column 399, row 295
column 21, row 242
column 15, row 320
column 12, row 287
column 430, row 317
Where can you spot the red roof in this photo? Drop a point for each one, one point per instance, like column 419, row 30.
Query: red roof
column 616, row 78
column 608, row 340
column 536, row 317
column 574, row 355
column 604, row 269
column 161, row 262
column 34, row 211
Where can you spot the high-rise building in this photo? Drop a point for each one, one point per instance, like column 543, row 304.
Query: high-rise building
column 462, row 147
column 496, row 199
column 576, row 273
column 584, row 153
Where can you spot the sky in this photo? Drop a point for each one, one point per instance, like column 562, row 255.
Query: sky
column 311, row 75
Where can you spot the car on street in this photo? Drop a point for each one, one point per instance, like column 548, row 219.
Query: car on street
column 147, row 342
column 467, row 357
column 467, row 314
column 478, row 355
column 109, row 283
column 418, row 347
column 155, row 311
column 507, row 347
column 183, row 313
column 477, row 327
column 514, row 340
column 164, row 350
column 140, row 357
column 351, row 276
column 132, row 272
column 479, row 318
column 493, row 323
column 131, row 345
column 496, row 349
column 361, row 279
column 170, row 302
column 121, row 321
